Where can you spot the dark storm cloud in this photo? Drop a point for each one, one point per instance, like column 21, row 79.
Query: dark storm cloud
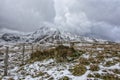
column 25, row 15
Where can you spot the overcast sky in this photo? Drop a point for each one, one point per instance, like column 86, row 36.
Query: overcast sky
column 100, row 18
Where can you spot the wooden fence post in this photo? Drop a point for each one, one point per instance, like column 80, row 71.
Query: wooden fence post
column 32, row 48
column 37, row 47
column 23, row 54
column 6, row 62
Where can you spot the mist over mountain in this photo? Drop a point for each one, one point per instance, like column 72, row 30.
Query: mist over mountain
column 45, row 34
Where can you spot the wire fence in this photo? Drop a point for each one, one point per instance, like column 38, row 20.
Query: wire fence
column 10, row 56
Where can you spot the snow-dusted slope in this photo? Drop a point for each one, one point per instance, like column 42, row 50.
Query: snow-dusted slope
column 45, row 34
column 8, row 35
column 42, row 35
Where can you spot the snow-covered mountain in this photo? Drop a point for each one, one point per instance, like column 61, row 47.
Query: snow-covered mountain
column 42, row 35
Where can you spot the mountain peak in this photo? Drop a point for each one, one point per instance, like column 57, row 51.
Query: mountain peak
column 45, row 34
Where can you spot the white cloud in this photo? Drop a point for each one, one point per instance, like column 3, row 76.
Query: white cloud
column 100, row 18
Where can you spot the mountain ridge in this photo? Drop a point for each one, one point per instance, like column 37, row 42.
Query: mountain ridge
column 45, row 34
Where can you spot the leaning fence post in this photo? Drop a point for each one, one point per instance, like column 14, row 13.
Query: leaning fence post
column 32, row 48
column 6, row 62
column 23, row 54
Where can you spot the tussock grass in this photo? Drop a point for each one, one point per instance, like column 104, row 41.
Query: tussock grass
column 94, row 67
column 104, row 76
column 116, row 71
column 64, row 78
column 60, row 53
column 84, row 61
column 94, row 60
column 78, row 70
column 109, row 63
column 39, row 74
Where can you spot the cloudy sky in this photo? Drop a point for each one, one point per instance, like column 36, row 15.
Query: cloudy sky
column 100, row 18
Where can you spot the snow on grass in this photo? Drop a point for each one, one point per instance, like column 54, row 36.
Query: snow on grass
column 85, row 55
column 49, row 69
column 54, row 70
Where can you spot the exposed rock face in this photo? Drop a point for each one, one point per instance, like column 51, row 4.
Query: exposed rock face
column 10, row 37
